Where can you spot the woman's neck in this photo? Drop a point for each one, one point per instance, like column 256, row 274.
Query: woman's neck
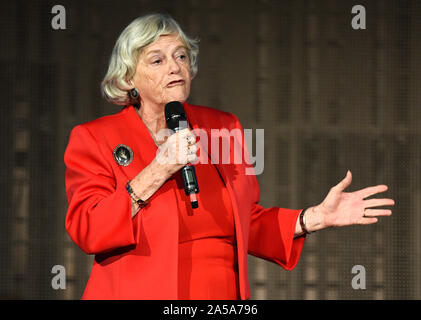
column 154, row 119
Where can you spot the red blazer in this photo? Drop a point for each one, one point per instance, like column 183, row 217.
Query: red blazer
column 136, row 258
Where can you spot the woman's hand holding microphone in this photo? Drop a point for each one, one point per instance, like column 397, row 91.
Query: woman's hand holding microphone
column 178, row 150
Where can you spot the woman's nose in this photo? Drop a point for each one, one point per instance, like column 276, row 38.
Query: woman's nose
column 173, row 66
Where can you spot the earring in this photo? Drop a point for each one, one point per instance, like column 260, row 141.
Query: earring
column 134, row 94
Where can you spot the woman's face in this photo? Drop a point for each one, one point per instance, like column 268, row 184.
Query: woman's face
column 163, row 72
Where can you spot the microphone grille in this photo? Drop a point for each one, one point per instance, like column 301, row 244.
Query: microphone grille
column 174, row 113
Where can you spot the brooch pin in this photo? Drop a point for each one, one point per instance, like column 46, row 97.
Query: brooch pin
column 123, row 155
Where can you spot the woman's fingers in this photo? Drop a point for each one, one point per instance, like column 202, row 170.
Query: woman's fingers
column 179, row 149
column 378, row 203
column 187, row 147
column 369, row 191
column 370, row 215
column 365, row 220
column 377, row 212
column 186, row 134
column 192, row 149
column 192, row 158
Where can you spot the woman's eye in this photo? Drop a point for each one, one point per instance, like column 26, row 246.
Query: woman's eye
column 157, row 61
column 182, row 56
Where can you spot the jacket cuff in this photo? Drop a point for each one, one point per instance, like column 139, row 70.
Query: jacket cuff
column 292, row 246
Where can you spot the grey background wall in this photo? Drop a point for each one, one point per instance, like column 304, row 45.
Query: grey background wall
column 330, row 98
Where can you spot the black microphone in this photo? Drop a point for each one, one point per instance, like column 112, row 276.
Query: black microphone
column 176, row 120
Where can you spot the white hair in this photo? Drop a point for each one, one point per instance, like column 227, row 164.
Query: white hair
column 137, row 35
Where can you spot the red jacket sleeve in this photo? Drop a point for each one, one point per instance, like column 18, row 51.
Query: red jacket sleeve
column 272, row 235
column 99, row 213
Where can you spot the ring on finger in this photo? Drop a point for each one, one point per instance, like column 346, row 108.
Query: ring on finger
column 189, row 151
column 189, row 140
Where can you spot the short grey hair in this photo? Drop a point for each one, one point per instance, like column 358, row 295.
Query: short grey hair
column 137, row 35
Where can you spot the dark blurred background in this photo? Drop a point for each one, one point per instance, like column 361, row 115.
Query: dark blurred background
column 329, row 97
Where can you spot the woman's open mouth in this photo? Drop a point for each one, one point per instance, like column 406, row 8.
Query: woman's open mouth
column 175, row 83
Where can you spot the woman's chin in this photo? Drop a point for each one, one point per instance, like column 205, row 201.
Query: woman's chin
column 179, row 98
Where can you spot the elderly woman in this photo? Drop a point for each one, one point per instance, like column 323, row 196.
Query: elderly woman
column 126, row 199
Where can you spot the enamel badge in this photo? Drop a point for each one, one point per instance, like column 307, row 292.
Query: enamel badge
column 123, row 155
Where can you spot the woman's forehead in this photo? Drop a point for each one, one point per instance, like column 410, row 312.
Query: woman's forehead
column 164, row 42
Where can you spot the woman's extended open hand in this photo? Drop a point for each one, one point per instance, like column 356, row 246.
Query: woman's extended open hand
column 341, row 208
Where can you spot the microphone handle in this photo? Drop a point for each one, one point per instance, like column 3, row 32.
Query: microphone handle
column 191, row 187
column 189, row 179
